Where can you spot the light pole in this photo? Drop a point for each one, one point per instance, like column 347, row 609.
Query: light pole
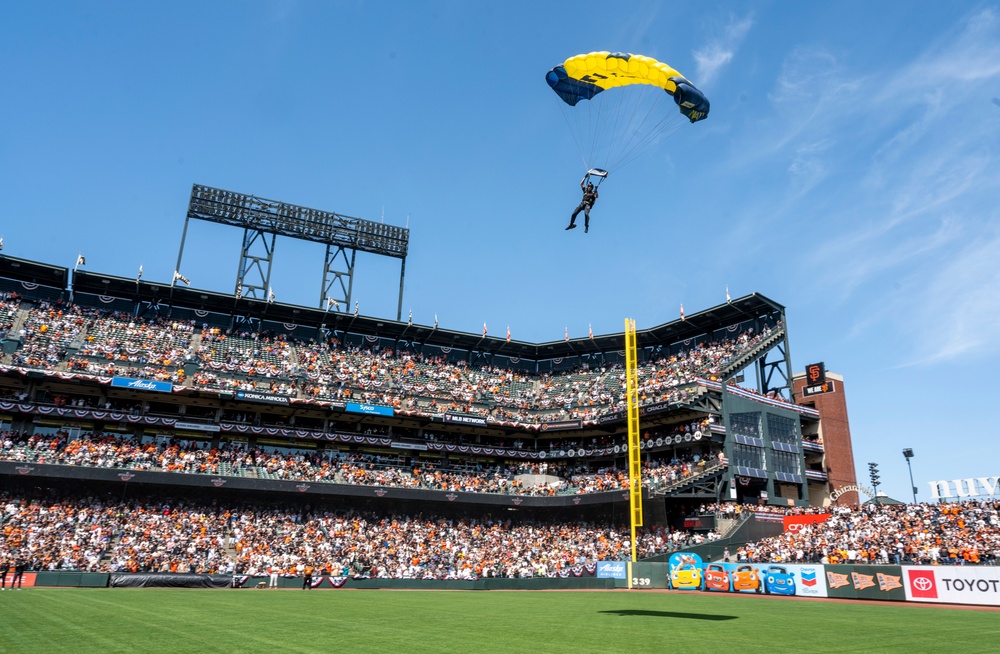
column 908, row 453
column 873, row 475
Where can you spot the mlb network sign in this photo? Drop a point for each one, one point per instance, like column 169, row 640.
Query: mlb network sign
column 142, row 384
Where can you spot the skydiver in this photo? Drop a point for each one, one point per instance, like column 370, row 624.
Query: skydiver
column 589, row 198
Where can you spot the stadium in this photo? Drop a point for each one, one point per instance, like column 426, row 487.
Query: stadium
column 228, row 441
column 192, row 462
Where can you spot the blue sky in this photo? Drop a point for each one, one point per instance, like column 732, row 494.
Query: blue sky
column 849, row 170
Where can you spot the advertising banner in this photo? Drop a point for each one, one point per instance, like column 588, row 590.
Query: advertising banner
column 196, row 426
column 611, row 569
column 463, row 419
column 794, row 523
column 142, row 384
column 560, row 425
column 686, row 571
column 369, row 409
column 958, row 584
column 266, row 398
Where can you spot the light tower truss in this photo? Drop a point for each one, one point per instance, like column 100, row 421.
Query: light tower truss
column 264, row 220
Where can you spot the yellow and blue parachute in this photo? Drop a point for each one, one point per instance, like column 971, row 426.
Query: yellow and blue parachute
column 613, row 128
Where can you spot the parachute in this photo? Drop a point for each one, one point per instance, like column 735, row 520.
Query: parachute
column 627, row 108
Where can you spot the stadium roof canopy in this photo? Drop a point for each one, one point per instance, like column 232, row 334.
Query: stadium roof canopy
column 32, row 272
column 695, row 326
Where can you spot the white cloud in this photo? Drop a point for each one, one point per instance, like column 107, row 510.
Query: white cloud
column 715, row 54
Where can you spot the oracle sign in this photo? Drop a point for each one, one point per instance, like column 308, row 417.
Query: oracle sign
column 794, row 523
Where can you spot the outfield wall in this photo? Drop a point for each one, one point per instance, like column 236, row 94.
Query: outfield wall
column 973, row 585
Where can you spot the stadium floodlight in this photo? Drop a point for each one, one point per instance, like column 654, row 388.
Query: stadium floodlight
column 908, row 454
column 874, row 476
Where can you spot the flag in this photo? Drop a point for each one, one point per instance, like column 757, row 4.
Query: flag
column 182, row 278
column 435, row 321
column 81, row 260
column 590, row 332
column 356, row 307
column 484, row 329
column 410, row 320
column 330, row 302
column 728, row 299
column 239, row 290
column 270, row 294
column 508, row 333
column 682, row 311
column 139, row 276
column 1, row 242
column 567, row 332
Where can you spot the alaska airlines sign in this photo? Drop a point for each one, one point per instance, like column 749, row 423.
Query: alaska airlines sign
column 964, row 487
column 142, row 384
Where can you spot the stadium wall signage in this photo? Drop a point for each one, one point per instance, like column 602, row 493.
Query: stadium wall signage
column 142, row 384
column 265, row 398
column 463, row 419
column 369, row 409
column 953, row 584
column 197, row 426
column 835, row 495
column 611, row 570
column 964, row 487
column 795, row 523
column 561, row 425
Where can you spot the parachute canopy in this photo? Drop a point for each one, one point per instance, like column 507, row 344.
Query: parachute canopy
column 632, row 114
column 584, row 76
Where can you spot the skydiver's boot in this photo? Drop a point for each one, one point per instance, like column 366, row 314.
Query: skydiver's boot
column 571, row 226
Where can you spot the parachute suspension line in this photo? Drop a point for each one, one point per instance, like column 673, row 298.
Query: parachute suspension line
column 668, row 124
column 573, row 121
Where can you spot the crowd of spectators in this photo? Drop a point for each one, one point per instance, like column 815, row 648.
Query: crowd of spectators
column 168, row 535
column 111, row 343
column 947, row 533
column 171, row 535
column 341, row 467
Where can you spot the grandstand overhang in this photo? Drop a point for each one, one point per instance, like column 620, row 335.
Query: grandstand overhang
column 33, row 272
column 705, row 323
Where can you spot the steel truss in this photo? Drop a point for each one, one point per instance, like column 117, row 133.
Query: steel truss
column 264, row 220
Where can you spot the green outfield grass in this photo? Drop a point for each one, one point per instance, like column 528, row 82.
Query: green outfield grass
column 79, row 621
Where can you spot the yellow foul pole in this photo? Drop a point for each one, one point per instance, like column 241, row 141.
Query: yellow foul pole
column 634, row 453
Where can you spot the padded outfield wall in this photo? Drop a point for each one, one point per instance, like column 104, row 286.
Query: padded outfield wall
column 972, row 585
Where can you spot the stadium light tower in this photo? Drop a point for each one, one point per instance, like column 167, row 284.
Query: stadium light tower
column 873, row 475
column 908, row 454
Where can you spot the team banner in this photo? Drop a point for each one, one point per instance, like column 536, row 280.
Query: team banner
column 956, row 584
column 881, row 582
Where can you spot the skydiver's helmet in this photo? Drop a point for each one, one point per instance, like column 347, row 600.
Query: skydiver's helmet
column 590, row 186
